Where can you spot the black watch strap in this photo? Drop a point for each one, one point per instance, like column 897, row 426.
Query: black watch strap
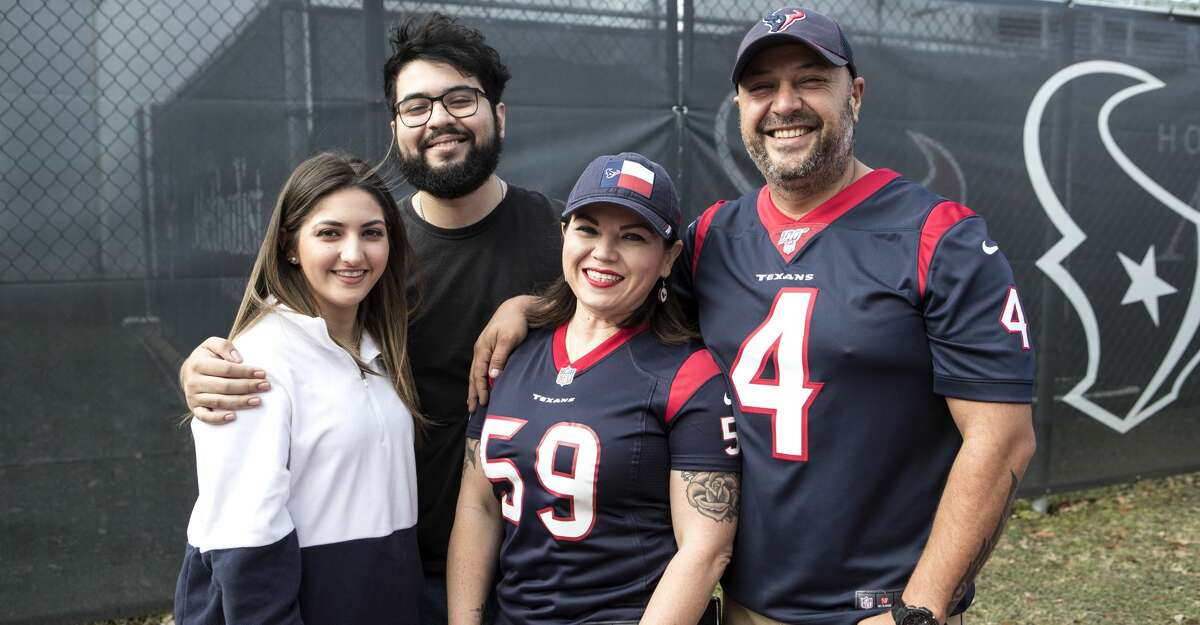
column 905, row 614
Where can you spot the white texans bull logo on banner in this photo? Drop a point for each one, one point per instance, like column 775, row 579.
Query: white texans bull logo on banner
column 1152, row 312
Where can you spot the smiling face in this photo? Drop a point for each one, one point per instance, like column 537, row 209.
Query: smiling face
column 797, row 117
column 342, row 248
column 447, row 157
column 612, row 259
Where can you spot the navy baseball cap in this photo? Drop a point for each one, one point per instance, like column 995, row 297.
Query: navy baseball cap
column 631, row 180
column 796, row 25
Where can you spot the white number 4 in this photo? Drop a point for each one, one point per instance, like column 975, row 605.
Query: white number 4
column 1013, row 317
column 782, row 339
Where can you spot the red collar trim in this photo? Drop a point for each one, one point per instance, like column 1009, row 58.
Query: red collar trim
column 598, row 352
column 790, row 235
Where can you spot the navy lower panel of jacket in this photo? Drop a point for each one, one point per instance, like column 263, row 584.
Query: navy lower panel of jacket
column 370, row 580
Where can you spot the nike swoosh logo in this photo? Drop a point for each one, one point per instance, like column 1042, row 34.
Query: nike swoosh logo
column 989, row 249
column 727, row 402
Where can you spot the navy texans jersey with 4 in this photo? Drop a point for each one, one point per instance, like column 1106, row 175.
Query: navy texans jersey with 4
column 842, row 334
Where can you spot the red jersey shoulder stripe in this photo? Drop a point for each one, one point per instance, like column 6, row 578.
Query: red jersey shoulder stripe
column 943, row 217
column 702, row 225
column 695, row 371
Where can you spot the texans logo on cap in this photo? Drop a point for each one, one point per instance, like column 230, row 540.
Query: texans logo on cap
column 780, row 19
column 630, row 175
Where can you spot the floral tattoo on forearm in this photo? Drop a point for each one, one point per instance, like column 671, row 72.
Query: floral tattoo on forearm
column 716, row 495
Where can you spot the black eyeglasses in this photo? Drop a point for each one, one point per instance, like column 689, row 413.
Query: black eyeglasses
column 414, row 111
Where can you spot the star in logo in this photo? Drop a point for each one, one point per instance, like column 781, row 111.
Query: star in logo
column 1144, row 284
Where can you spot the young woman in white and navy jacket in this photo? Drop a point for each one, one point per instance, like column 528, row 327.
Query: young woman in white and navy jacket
column 307, row 510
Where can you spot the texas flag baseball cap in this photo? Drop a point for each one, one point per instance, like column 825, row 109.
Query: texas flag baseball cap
column 796, row 25
column 631, row 180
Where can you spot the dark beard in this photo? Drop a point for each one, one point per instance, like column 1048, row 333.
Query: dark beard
column 455, row 179
column 830, row 156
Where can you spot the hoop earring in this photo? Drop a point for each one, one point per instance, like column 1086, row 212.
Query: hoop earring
column 662, row 292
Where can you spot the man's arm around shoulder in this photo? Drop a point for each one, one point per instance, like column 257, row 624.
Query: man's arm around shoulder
column 215, row 383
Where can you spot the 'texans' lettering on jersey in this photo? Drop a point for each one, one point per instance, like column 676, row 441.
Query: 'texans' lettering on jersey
column 768, row 277
column 553, row 400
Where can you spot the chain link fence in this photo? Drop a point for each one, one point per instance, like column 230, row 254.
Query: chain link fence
column 144, row 141
column 76, row 79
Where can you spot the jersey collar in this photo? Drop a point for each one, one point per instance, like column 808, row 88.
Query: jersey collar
column 791, row 235
column 610, row 345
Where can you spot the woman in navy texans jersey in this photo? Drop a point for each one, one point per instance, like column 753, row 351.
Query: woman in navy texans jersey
column 601, row 482
column 307, row 509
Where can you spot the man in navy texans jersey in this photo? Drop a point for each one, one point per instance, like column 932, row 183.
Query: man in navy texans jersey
column 877, row 349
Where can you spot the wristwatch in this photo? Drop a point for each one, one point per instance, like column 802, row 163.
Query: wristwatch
column 912, row 615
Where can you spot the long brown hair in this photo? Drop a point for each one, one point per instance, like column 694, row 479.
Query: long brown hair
column 383, row 313
column 556, row 305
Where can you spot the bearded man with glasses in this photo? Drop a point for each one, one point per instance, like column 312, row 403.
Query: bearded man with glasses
column 477, row 241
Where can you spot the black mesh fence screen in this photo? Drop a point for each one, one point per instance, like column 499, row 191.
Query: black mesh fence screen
column 144, row 142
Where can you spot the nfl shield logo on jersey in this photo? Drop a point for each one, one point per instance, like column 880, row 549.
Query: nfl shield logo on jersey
column 789, row 238
column 866, row 602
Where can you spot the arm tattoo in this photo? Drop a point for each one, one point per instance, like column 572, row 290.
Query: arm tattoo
column 716, row 495
column 471, row 455
column 985, row 550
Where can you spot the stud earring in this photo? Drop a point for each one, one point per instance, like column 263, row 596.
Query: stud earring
column 293, row 260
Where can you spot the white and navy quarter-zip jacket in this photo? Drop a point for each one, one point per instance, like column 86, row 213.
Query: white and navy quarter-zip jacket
column 308, row 503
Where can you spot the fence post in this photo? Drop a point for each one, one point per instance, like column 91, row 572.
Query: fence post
column 373, row 57
column 680, row 56
column 148, row 260
column 1060, row 148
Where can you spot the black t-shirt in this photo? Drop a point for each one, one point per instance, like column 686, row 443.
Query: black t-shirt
column 464, row 274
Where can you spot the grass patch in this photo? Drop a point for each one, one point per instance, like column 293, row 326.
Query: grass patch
column 1117, row 555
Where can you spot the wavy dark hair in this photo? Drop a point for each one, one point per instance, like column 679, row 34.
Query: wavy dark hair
column 383, row 313
column 556, row 305
column 443, row 39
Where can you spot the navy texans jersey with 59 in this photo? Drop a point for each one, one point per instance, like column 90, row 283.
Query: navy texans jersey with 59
column 580, row 454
